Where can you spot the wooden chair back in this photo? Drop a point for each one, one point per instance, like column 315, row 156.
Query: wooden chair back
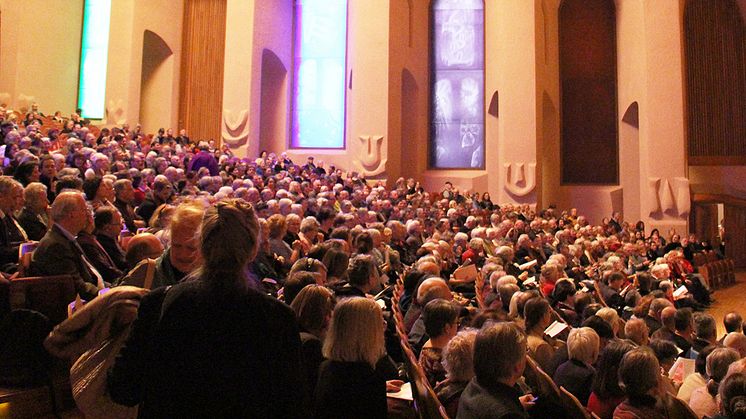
column 572, row 405
column 49, row 295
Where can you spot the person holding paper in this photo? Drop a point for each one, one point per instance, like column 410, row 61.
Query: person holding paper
column 541, row 348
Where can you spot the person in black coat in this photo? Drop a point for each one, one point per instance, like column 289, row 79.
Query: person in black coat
column 212, row 346
column 349, row 385
column 576, row 374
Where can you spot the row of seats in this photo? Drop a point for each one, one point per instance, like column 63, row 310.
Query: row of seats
column 42, row 302
column 718, row 273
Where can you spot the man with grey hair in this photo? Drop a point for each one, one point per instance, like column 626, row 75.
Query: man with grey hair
column 58, row 252
column 499, row 361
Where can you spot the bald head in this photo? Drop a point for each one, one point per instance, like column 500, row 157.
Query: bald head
column 143, row 246
column 737, row 342
column 431, row 289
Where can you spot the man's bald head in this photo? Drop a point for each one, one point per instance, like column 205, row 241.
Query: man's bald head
column 145, row 245
column 431, row 289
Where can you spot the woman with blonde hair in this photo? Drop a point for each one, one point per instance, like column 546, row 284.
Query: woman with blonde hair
column 348, row 384
column 213, row 346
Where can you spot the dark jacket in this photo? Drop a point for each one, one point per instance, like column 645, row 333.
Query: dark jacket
column 498, row 402
column 56, row 255
column 114, row 251
column 350, row 390
column 196, row 352
column 10, row 239
column 128, row 215
column 33, row 224
column 97, row 255
column 576, row 377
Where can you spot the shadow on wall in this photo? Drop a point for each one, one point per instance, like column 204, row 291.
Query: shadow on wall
column 409, row 124
column 273, row 105
column 156, row 83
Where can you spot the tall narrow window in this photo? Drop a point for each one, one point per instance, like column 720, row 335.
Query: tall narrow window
column 457, row 89
column 94, row 54
column 320, row 50
column 589, row 149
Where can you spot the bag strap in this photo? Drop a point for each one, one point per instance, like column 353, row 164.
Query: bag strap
column 149, row 274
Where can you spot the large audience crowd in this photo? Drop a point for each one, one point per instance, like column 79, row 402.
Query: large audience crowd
column 261, row 287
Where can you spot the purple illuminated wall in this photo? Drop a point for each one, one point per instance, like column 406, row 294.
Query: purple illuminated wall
column 457, row 90
column 320, row 46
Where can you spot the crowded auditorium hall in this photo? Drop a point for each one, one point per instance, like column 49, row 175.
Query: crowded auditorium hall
column 344, row 209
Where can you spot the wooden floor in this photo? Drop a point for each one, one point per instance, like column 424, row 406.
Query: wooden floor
column 732, row 298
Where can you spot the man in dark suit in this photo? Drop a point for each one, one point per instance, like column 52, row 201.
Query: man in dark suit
column 94, row 250
column 125, row 200
column 58, row 252
column 107, row 227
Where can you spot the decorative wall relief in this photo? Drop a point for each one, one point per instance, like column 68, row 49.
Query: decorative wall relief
column 653, row 200
column 115, row 112
column 520, row 180
column 668, row 203
column 681, row 190
column 671, row 197
column 370, row 158
column 235, row 127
